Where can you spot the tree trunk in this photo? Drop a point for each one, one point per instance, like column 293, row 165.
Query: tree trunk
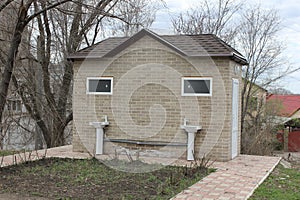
column 12, row 53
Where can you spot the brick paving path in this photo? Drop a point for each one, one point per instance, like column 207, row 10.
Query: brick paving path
column 60, row 152
column 236, row 179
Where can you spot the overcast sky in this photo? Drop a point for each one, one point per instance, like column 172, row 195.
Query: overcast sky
column 289, row 10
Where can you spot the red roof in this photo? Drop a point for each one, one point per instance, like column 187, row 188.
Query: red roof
column 290, row 103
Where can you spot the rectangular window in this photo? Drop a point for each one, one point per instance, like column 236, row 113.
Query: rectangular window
column 103, row 85
column 14, row 105
column 196, row 86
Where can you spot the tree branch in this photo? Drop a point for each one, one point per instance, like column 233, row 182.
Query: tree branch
column 4, row 5
column 31, row 17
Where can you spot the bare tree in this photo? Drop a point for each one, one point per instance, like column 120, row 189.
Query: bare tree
column 258, row 41
column 260, row 128
column 257, row 38
column 255, row 33
column 18, row 128
column 209, row 17
column 24, row 15
column 46, row 91
column 137, row 14
column 279, row 90
column 43, row 78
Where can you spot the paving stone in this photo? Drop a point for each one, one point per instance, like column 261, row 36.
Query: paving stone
column 238, row 178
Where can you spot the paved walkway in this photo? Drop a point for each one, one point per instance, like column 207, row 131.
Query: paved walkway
column 236, row 179
column 59, row 152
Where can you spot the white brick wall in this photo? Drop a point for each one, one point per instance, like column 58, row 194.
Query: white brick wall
column 154, row 74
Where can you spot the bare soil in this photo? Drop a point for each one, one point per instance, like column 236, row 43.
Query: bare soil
column 90, row 179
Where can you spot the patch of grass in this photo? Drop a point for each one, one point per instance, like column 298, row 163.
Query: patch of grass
column 91, row 179
column 7, row 152
column 38, row 194
column 281, row 184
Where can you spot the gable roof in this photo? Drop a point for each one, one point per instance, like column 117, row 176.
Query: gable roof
column 290, row 103
column 185, row 45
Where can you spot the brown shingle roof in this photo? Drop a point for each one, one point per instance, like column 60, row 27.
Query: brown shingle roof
column 186, row 45
column 99, row 49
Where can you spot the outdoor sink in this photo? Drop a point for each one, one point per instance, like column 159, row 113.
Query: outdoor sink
column 99, row 124
column 191, row 130
column 99, row 134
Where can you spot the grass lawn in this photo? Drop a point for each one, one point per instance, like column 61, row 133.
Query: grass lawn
column 282, row 184
column 90, row 179
column 7, row 152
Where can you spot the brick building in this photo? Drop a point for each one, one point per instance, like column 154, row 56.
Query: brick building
column 149, row 85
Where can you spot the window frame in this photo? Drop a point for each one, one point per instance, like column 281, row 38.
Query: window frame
column 99, row 78
column 196, row 78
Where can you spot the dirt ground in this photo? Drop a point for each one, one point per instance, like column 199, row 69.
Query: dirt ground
column 291, row 157
column 19, row 197
column 90, row 179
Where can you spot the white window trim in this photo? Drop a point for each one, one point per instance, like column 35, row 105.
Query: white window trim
column 196, row 78
column 99, row 78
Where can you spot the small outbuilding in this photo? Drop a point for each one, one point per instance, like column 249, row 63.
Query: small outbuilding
column 175, row 96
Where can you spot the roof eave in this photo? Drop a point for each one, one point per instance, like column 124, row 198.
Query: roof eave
column 83, row 57
column 240, row 60
column 293, row 113
column 233, row 56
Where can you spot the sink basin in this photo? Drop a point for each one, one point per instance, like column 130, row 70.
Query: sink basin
column 99, row 134
column 190, row 128
column 99, row 124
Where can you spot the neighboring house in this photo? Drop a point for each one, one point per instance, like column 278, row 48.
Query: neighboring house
column 288, row 110
column 257, row 99
column 19, row 130
column 149, row 86
column 15, row 119
column 288, row 105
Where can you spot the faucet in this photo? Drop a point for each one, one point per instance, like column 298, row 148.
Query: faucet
column 185, row 121
column 105, row 118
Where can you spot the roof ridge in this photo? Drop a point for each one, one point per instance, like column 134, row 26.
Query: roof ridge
column 187, row 34
column 138, row 36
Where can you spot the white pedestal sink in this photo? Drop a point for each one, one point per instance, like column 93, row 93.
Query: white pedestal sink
column 191, row 130
column 99, row 134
